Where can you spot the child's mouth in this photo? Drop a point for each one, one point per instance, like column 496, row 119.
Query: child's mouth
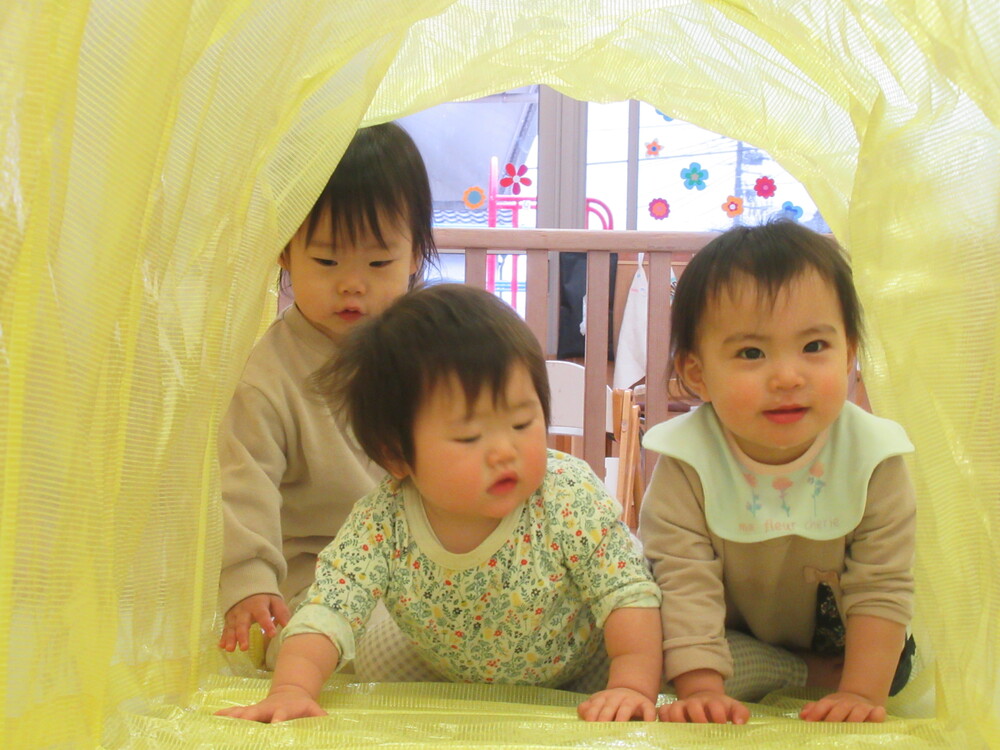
column 350, row 316
column 786, row 415
column 503, row 485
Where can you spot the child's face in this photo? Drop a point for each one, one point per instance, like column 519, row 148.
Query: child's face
column 476, row 467
column 777, row 377
column 337, row 284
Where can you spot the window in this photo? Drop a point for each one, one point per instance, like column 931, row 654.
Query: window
column 637, row 169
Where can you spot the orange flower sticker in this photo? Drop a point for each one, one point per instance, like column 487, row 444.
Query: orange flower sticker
column 733, row 206
column 473, row 197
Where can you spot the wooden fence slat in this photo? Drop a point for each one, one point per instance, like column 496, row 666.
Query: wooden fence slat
column 657, row 338
column 595, row 384
column 475, row 267
column 536, row 307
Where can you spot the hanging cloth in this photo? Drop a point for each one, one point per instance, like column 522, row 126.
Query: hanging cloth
column 630, row 359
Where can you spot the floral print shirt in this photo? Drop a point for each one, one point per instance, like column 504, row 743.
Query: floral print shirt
column 526, row 606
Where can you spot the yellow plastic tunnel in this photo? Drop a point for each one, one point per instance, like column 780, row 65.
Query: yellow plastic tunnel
column 156, row 154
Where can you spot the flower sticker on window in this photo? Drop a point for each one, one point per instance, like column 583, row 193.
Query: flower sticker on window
column 654, row 148
column 473, row 197
column 694, row 176
column 659, row 208
column 668, row 118
column 733, row 206
column 515, row 178
column 765, row 187
column 791, row 211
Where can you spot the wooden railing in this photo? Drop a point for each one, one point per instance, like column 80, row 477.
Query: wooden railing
column 664, row 250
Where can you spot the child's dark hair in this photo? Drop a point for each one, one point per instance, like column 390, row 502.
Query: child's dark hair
column 388, row 366
column 771, row 255
column 380, row 175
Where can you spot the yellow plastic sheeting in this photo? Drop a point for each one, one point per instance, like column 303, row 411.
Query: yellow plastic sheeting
column 481, row 716
column 155, row 155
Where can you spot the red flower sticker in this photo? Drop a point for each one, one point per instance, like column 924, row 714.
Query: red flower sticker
column 765, row 187
column 515, row 178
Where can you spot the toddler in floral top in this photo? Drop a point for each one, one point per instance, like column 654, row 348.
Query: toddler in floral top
column 779, row 519
column 499, row 560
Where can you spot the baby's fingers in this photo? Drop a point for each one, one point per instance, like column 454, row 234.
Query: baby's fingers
column 839, row 709
column 261, row 614
column 617, row 705
column 280, row 611
column 236, row 632
column 250, row 713
column 627, row 708
column 739, row 714
column 643, row 709
column 597, row 708
column 716, row 710
column 865, row 712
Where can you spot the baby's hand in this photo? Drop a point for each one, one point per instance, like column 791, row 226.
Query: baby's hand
column 842, row 707
column 704, row 707
column 617, row 704
column 264, row 609
column 281, row 705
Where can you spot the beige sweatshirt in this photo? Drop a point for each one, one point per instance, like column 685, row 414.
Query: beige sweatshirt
column 290, row 472
column 768, row 588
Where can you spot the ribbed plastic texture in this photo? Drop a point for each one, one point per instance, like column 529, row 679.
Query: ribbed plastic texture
column 154, row 157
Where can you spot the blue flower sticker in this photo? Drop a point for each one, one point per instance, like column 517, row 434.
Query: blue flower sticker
column 665, row 117
column 791, row 211
column 694, row 176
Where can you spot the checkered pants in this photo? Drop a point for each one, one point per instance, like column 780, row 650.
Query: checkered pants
column 760, row 668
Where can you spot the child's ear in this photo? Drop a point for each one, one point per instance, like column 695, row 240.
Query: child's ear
column 689, row 370
column 397, row 468
column 283, row 258
column 852, row 357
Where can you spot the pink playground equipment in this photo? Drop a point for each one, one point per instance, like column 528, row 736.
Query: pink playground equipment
column 495, row 202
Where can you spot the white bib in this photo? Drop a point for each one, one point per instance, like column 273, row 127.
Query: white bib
column 820, row 496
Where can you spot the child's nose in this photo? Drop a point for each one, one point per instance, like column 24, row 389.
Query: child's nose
column 786, row 375
column 351, row 281
column 502, row 451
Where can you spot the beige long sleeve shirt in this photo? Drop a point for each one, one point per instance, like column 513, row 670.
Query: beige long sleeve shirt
column 290, row 472
column 768, row 588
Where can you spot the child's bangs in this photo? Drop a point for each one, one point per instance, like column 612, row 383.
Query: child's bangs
column 356, row 217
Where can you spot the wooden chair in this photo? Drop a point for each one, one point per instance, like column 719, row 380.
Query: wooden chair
column 566, row 385
column 623, row 473
column 629, row 483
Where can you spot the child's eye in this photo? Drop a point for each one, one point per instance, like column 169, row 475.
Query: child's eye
column 751, row 352
column 326, row 262
column 524, row 425
column 815, row 346
column 467, row 439
column 379, row 263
